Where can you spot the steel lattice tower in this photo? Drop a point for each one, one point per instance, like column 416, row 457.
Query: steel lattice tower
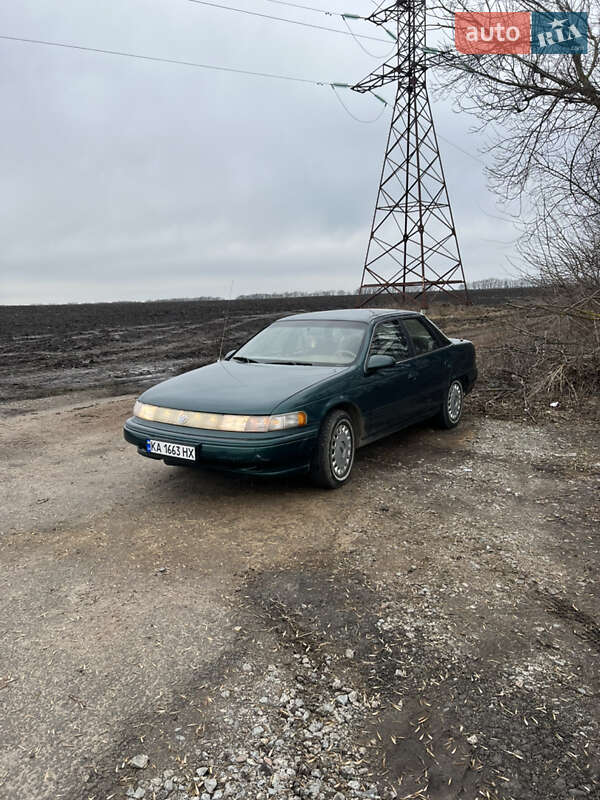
column 413, row 246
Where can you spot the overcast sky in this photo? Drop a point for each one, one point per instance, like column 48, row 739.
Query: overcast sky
column 124, row 179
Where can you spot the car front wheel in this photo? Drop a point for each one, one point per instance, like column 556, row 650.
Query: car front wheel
column 451, row 411
column 334, row 454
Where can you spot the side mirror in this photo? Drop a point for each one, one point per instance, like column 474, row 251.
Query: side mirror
column 379, row 362
column 228, row 355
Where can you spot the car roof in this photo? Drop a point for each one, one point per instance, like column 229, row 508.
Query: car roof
column 352, row 314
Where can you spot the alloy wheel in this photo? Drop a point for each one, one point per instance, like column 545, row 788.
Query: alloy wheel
column 341, row 451
column 454, row 402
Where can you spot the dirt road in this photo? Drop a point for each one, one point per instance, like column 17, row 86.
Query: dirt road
column 430, row 631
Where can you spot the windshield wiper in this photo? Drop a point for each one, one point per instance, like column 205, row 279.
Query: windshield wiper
column 294, row 363
column 244, row 360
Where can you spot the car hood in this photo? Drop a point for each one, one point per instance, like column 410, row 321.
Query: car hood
column 230, row 387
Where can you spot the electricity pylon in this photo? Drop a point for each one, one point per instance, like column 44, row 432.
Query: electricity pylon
column 413, row 247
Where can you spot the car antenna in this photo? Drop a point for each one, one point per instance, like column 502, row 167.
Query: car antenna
column 225, row 320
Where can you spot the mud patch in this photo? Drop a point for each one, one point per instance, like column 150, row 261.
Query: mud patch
column 586, row 627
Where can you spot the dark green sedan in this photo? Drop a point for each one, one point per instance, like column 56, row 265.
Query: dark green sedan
column 305, row 392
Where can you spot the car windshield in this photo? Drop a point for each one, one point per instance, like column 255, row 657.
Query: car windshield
column 309, row 342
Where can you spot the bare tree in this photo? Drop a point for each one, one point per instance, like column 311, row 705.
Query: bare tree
column 542, row 114
column 542, row 110
column 500, row 283
column 566, row 260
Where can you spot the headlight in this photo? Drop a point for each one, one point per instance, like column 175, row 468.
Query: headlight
column 220, row 422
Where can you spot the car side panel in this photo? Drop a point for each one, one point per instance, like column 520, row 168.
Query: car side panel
column 388, row 403
column 431, row 372
column 386, row 397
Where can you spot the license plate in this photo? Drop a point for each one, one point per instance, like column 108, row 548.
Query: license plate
column 171, row 450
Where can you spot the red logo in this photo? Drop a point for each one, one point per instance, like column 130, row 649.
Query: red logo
column 499, row 32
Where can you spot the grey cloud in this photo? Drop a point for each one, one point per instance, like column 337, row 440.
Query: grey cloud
column 124, row 179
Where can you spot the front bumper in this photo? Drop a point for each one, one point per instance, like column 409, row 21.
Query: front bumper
column 274, row 453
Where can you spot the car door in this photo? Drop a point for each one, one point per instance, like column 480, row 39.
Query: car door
column 386, row 394
column 430, row 364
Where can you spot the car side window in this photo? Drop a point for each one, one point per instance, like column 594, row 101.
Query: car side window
column 389, row 339
column 423, row 341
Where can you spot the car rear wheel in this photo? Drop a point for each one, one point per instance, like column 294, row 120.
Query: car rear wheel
column 452, row 409
column 334, row 454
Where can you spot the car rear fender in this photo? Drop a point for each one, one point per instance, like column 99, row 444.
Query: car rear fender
column 464, row 364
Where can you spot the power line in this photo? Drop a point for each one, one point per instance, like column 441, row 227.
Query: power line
column 284, row 19
column 141, row 57
column 457, row 147
column 361, row 45
column 305, row 8
column 350, row 114
column 214, row 67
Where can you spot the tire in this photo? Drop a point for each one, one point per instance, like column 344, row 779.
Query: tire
column 334, row 454
column 451, row 411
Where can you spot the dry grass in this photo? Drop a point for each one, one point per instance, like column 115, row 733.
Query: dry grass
column 544, row 353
